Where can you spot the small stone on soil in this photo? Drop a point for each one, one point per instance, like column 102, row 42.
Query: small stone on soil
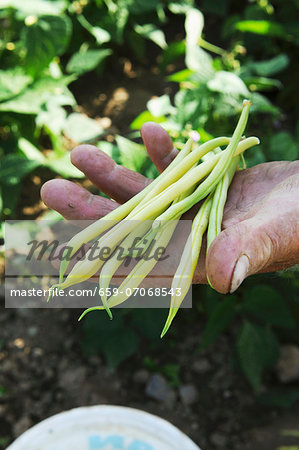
column 141, row 376
column 158, row 388
column 188, row 394
column 287, row 368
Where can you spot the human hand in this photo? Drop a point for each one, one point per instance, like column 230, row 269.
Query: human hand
column 261, row 216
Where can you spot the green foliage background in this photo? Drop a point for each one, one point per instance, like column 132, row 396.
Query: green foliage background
column 229, row 50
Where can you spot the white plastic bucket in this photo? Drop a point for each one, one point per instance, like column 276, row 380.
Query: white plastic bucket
column 106, row 428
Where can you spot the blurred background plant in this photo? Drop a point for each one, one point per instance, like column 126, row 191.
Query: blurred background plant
column 207, row 57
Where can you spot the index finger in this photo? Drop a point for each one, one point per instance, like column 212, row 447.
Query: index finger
column 118, row 182
column 158, row 144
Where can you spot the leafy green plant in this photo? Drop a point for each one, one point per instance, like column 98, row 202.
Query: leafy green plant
column 264, row 312
column 99, row 335
column 212, row 84
column 128, row 326
column 170, row 371
column 210, row 89
column 45, row 46
column 282, row 398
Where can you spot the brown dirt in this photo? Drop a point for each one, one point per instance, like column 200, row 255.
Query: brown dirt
column 43, row 372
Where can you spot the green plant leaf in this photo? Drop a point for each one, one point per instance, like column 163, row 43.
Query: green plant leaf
column 264, row 27
column 52, row 118
column 228, row 83
column 270, row 67
column 63, row 166
column 283, row 147
column 35, row 7
column 210, row 299
column 98, row 327
column 30, row 151
column 256, row 157
column 81, row 128
column 187, row 107
column 180, row 7
column 52, row 115
column 160, row 106
column 182, row 75
column 225, row 105
column 283, row 398
column 149, row 322
column 85, row 61
column 193, row 25
column 141, row 7
column 31, row 99
column 10, row 197
column 112, row 338
column 44, row 39
column 262, row 105
column 266, row 304
column 173, row 51
column 150, row 171
column 196, row 58
column 262, row 83
column 200, row 62
column 132, row 155
column 21, row 232
column 14, row 167
column 100, row 34
column 109, row 148
column 257, row 349
column 221, row 318
column 52, row 216
column 119, row 346
column 119, row 15
column 144, row 117
column 172, row 373
column 12, row 82
column 149, row 31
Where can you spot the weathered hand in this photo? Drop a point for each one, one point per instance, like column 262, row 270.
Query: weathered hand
column 261, row 216
column 260, row 225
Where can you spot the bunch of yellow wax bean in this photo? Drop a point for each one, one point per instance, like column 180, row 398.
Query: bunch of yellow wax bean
column 198, row 173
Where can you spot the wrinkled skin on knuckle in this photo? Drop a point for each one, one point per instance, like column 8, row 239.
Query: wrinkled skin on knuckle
column 282, row 223
column 251, row 186
column 262, row 253
column 285, row 243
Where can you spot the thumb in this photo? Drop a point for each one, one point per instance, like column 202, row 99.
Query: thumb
column 266, row 241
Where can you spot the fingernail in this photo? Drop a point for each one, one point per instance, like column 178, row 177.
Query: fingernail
column 240, row 272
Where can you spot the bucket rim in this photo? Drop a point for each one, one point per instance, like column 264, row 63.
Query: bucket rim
column 141, row 420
